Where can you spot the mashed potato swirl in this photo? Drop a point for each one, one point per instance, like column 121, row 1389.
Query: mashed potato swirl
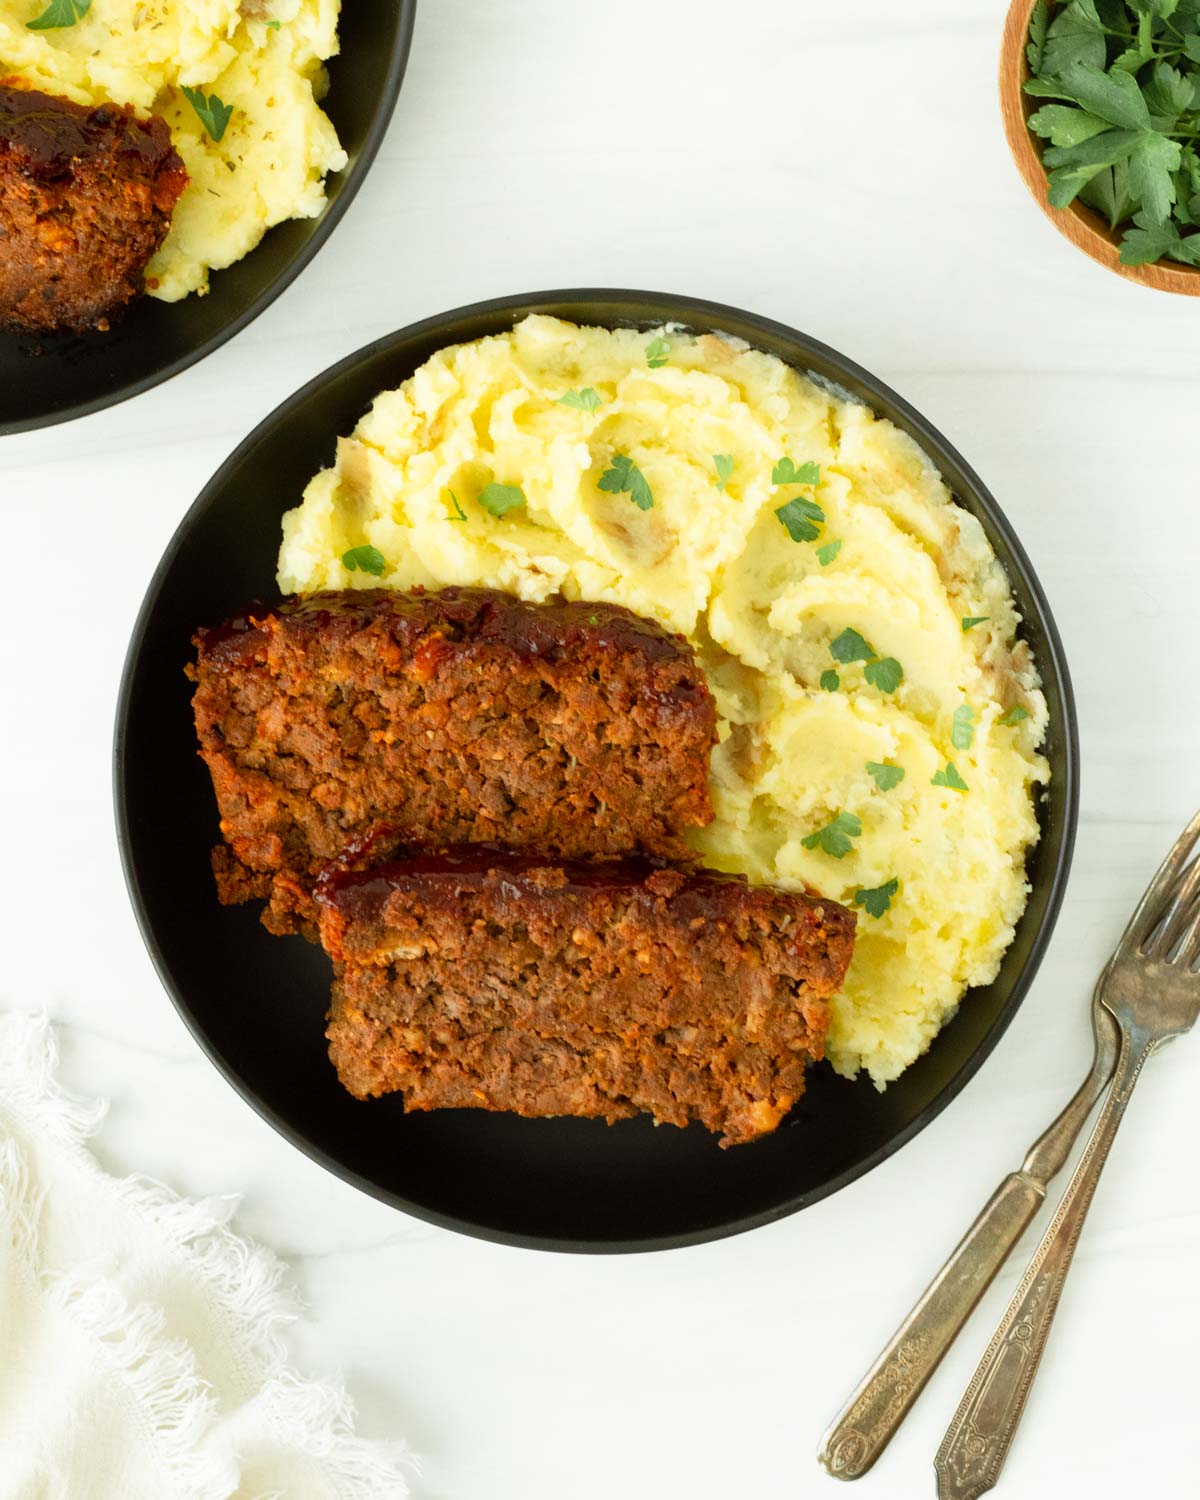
column 762, row 610
column 263, row 57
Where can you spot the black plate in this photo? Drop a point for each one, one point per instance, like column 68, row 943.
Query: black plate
column 47, row 380
column 255, row 1003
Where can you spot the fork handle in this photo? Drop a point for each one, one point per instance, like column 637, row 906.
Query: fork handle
column 972, row 1453
column 870, row 1418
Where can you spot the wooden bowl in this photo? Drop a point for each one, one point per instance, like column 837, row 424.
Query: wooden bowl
column 1085, row 229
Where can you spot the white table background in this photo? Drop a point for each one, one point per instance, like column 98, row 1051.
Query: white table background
column 841, row 169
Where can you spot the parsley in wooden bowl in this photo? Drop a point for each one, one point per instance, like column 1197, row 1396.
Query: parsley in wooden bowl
column 1101, row 106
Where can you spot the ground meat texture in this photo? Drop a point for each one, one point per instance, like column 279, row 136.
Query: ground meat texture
column 346, row 725
column 477, row 980
column 86, row 197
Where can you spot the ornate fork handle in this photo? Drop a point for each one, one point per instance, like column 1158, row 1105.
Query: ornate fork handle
column 977, row 1441
column 882, row 1399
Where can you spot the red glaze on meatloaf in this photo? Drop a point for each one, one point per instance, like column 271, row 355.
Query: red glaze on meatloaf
column 477, row 979
column 462, row 716
column 86, row 197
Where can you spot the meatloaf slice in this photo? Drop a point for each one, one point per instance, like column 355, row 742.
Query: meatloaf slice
column 86, row 197
column 429, row 719
column 481, row 980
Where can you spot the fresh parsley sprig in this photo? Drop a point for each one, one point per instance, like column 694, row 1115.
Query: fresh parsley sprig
column 365, row 559
column 723, row 463
column 658, row 352
column 213, row 113
column 885, row 673
column 835, row 839
column 623, row 477
column 1122, row 128
column 499, row 499
column 584, row 400
column 877, row 900
column 59, row 14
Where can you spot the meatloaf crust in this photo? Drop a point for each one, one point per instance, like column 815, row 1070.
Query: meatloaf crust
column 429, row 719
column 477, row 979
column 86, row 197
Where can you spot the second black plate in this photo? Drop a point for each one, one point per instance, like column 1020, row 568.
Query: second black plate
column 48, row 380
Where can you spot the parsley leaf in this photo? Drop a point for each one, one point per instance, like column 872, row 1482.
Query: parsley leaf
column 834, row 839
column 499, row 499
column 827, row 553
column 658, row 352
column 886, row 675
column 950, row 777
column 723, row 463
column 962, row 731
column 624, row 477
column 459, row 513
column 1038, row 21
column 368, row 559
column 830, row 681
column 274, row 26
column 59, row 14
column 797, row 518
column 850, row 646
column 1064, row 126
column 878, row 900
column 1015, row 714
column 885, row 775
column 970, row 621
column 1075, row 35
column 584, row 400
column 214, row 115
column 786, row 472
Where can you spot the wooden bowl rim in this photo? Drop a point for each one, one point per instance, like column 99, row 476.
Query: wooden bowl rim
column 1085, row 229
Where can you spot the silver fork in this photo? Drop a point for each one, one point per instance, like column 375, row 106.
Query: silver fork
column 1151, row 989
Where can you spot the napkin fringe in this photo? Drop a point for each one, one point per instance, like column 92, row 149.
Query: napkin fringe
column 247, row 1286
column 160, row 1375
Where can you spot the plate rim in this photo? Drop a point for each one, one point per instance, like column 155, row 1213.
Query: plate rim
column 1067, row 781
column 329, row 220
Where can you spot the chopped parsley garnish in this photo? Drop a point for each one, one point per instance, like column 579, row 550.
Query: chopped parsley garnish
column 1121, row 132
column 830, row 680
column 658, row 351
column 625, row 478
column 970, row 621
column 459, row 513
column 835, row 838
column 274, row 26
column 827, row 553
column 962, row 731
column 885, row 673
column 879, row 899
column 498, row 499
column 884, row 775
column 213, row 113
column 850, row 646
column 723, row 463
column 949, row 777
column 58, row 14
column 786, row 472
column 584, row 400
column 1015, row 714
column 801, row 519
column 365, row 559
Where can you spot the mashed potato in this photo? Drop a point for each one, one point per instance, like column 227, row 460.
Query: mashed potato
column 762, row 609
column 271, row 161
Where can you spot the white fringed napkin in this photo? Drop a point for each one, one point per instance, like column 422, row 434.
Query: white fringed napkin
column 142, row 1349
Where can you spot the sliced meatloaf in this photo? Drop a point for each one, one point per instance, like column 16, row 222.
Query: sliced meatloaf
column 86, row 197
column 483, row 980
column 383, row 719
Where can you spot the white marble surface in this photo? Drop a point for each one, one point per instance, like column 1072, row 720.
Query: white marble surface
column 841, row 169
